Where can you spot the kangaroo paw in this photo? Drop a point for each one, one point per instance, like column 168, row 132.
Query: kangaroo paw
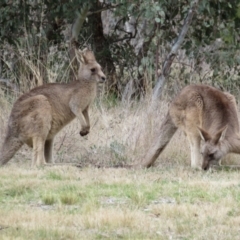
column 84, row 132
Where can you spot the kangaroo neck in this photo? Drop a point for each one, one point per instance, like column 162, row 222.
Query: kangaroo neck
column 84, row 83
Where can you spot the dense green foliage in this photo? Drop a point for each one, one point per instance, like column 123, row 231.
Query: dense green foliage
column 210, row 52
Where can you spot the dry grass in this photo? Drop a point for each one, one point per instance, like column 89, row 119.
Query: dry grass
column 170, row 201
column 160, row 203
column 120, row 133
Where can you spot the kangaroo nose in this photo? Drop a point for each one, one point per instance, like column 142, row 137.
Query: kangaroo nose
column 205, row 167
column 103, row 79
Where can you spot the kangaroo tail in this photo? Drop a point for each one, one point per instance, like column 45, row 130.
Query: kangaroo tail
column 166, row 132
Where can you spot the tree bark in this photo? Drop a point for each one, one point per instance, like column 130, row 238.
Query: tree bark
column 102, row 48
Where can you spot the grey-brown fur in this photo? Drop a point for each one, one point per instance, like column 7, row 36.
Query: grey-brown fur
column 37, row 116
column 209, row 119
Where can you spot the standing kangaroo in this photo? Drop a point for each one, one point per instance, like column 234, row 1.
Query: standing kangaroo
column 37, row 116
column 203, row 113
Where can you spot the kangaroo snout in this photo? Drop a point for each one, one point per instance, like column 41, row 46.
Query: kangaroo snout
column 205, row 165
column 102, row 79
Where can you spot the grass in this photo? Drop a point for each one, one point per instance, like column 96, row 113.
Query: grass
column 169, row 201
column 160, row 203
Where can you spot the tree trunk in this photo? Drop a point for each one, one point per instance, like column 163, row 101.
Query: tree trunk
column 76, row 28
column 102, row 49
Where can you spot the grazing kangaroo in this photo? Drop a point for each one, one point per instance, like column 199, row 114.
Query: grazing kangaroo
column 37, row 116
column 209, row 119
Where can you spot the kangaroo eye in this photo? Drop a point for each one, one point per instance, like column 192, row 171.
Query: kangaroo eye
column 93, row 70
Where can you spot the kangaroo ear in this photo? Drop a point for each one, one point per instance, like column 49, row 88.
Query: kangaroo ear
column 79, row 56
column 85, row 56
column 220, row 135
column 88, row 56
column 205, row 136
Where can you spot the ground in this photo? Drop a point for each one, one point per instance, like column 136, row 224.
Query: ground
column 65, row 202
column 168, row 201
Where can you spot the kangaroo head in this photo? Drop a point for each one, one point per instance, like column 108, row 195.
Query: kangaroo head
column 89, row 67
column 212, row 147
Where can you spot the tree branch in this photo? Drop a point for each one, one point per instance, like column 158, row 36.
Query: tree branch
column 108, row 7
column 77, row 25
column 169, row 59
column 130, row 35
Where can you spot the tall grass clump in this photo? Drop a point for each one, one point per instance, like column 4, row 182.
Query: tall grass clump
column 49, row 199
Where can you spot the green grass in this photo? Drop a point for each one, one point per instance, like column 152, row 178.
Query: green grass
column 65, row 202
column 49, row 199
column 54, row 176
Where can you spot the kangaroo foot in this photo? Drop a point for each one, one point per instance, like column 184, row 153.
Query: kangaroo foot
column 84, row 132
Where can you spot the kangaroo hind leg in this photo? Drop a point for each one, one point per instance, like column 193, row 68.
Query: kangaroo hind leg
column 196, row 157
column 38, row 158
column 39, row 124
column 192, row 120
